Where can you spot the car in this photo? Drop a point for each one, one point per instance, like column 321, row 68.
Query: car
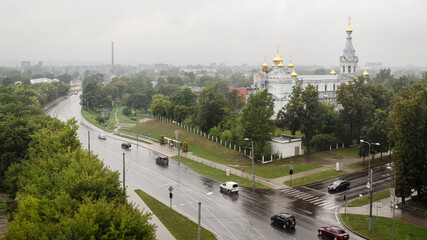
column 284, row 220
column 339, row 185
column 126, row 146
column 162, row 160
column 229, row 187
column 102, row 136
column 334, row 232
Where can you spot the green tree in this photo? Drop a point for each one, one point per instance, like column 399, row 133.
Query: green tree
column 408, row 136
column 255, row 121
column 210, row 109
column 304, row 112
column 357, row 107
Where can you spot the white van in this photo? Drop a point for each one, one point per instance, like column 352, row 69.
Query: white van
column 229, row 187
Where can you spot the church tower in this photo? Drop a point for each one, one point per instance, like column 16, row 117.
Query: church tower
column 349, row 60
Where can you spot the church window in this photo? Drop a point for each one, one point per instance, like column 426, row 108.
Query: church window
column 349, row 69
column 334, row 87
column 326, row 88
column 343, row 69
column 317, row 87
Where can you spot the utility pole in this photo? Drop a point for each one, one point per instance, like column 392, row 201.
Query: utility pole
column 124, row 184
column 88, row 140
column 200, row 214
column 137, row 123
column 370, row 207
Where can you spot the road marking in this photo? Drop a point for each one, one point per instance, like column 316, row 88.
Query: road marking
column 317, row 201
column 332, row 207
column 325, row 203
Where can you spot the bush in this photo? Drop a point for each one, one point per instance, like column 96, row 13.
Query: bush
column 226, row 136
column 127, row 111
column 162, row 140
column 184, row 147
column 322, row 141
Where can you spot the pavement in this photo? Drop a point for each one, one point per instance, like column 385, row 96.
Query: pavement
column 383, row 208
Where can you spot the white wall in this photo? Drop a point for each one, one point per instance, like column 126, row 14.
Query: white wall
column 287, row 149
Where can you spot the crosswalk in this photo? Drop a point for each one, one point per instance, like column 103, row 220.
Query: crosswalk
column 309, row 198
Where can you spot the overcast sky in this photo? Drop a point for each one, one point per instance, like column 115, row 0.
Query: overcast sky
column 201, row 32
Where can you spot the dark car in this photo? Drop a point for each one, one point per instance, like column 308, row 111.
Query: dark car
column 102, row 136
column 334, row 232
column 162, row 160
column 339, row 185
column 283, row 219
column 126, row 146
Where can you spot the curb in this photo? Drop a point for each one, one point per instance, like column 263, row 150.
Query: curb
column 351, row 230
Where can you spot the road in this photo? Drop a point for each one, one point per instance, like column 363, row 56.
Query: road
column 229, row 216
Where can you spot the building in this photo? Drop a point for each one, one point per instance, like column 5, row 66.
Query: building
column 280, row 79
column 25, row 65
column 243, row 92
column 43, row 80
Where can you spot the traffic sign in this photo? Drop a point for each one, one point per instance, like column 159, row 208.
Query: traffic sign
column 368, row 185
column 170, row 189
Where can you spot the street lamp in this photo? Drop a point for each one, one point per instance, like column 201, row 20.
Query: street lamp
column 253, row 170
column 177, row 125
column 200, row 216
column 103, row 117
column 371, row 181
column 394, row 199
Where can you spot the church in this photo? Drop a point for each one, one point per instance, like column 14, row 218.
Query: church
column 280, row 79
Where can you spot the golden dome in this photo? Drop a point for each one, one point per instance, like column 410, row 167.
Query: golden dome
column 265, row 65
column 277, row 59
column 349, row 30
column 291, row 65
column 281, row 65
column 333, row 71
column 365, row 73
column 294, row 74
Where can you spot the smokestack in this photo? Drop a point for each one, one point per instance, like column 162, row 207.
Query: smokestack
column 112, row 54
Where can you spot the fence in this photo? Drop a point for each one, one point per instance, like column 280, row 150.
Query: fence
column 245, row 151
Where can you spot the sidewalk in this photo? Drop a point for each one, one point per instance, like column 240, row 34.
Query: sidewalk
column 387, row 211
column 161, row 231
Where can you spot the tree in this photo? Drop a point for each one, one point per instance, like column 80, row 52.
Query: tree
column 357, row 107
column 210, row 109
column 377, row 132
column 235, row 101
column 256, row 123
column 292, row 114
column 65, row 78
column 408, row 136
column 304, row 112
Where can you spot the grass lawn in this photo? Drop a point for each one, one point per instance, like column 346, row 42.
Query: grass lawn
column 133, row 138
column 181, row 227
column 280, row 171
column 347, row 152
column 91, row 117
column 316, row 177
column 199, row 146
column 377, row 161
column 216, row 173
column 382, row 227
column 365, row 199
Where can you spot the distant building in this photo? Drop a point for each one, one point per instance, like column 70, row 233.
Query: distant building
column 280, row 79
column 242, row 92
column 25, row 65
column 43, row 80
column 158, row 67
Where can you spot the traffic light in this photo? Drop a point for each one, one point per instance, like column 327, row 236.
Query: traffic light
column 344, row 197
column 170, row 195
column 291, row 171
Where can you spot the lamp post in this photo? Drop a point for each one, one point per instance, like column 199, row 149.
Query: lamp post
column 178, row 145
column 394, row 199
column 137, row 123
column 200, row 216
column 369, row 154
column 253, row 160
column 370, row 171
column 103, row 117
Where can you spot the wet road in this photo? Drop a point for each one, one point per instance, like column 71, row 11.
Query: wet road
column 229, row 216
